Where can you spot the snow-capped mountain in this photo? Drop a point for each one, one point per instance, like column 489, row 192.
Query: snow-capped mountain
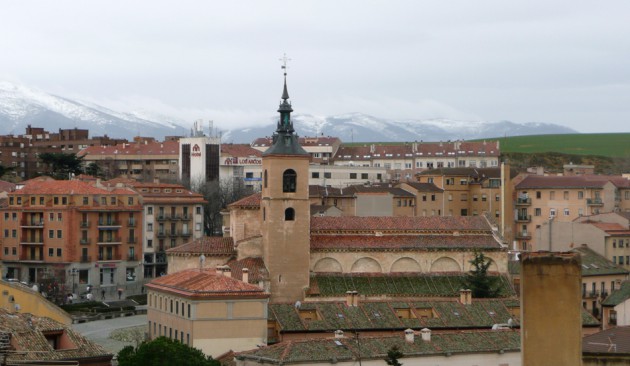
column 21, row 106
column 364, row 128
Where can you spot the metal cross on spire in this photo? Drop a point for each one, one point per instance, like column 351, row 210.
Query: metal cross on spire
column 284, row 61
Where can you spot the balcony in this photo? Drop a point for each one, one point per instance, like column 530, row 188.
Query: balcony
column 108, row 223
column 131, row 223
column 594, row 202
column 524, row 218
column 85, row 259
column 32, row 258
column 132, row 240
column 160, row 217
column 132, row 258
column 113, row 240
column 604, row 294
column 160, row 258
column 176, row 217
column 523, row 235
column 32, row 241
column 523, row 201
column 186, row 217
column 591, row 294
column 162, row 233
column 109, row 257
column 175, row 233
column 185, row 233
column 85, row 224
column 85, row 241
column 32, row 224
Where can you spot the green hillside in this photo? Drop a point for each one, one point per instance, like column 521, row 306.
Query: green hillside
column 613, row 145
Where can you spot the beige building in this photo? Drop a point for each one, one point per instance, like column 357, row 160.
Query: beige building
column 321, row 149
column 546, row 200
column 365, row 200
column 207, row 309
column 19, row 298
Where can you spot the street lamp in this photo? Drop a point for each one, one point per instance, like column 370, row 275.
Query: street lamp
column 73, row 272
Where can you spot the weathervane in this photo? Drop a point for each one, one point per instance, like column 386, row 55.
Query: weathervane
column 284, row 61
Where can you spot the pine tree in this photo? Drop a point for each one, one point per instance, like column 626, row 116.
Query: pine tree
column 478, row 281
column 393, row 354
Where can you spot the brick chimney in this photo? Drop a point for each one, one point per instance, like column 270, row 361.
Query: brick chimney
column 227, row 271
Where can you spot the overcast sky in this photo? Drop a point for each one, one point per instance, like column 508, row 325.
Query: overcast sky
column 564, row 62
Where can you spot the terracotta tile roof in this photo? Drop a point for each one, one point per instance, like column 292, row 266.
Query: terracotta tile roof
column 208, row 245
column 608, row 227
column 352, row 191
column 6, row 186
column 28, row 337
column 60, row 187
column 120, row 180
column 425, row 187
column 351, row 223
column 150, row 148
column 373, row 349
column 594, row 264
column 239, row 150
column 249, row 201
column 615, row 340
column 255, row 266
column 177, row 194
column 205, row 283
column 424, row 149
column 553, row 181
column 401, row 242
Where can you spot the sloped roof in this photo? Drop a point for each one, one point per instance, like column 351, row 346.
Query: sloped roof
column 60, row 187
column 255, row 266
column 594, row 264
column 425, row 187
column 401, row 242
column 618, row 296
column 148, row 148
column 207, row 245
column 239, row 150
column 331, row 350
column 385, row 223
column 27, row 335
column 205, row 283
column 554, row 181
column 423, row 149
column 249, row 201
column 614, row 340
column 6, row 186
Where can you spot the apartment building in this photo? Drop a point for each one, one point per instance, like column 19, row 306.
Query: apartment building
column 402, row 161
column 144, row 159
column 547, row 200
column 364, row 200
column 241, row 164
column 429, row 198
column 322, row 149
column 21, row 151
column 74, row 232
column 171, row 216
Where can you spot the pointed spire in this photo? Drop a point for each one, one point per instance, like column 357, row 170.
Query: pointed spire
column 285, row 93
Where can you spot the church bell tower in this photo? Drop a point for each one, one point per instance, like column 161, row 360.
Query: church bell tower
column 285, row 209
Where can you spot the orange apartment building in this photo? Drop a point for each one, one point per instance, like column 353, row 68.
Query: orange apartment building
column 74, row 232
column 544, row 200
column 171, row 216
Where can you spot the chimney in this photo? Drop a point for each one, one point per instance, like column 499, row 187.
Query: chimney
column 465, row 296
column 355, row 298
column 338, row 333
column 349, row 298
column 245, row 275
column 227, row 271
column 414, row 147
column 426, row 334
column 372, row 148
column 220, row 270
column 409, row 336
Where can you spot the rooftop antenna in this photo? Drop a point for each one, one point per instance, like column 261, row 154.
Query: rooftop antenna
column 284, row 65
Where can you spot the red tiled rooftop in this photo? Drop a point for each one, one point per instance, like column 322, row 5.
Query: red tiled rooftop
column 424, row 149
column 385, row 223
column 60, row 187
column 205, row 283
column 6, row 186
column 609, row 226
column 239, row 150
column 249, row 201
column 208, row 245
column 150, row 148
column 255, row 266
column 554, row 181
column 401, row 242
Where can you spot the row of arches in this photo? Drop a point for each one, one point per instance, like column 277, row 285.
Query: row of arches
column 403, row 264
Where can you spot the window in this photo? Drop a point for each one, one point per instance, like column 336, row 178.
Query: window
column 41, row 201
column 289, row 214
column 130, row 200
column 475, row 198
column 463, row 182
column 538, row 194
column 64, row 200
column 566, row 212
column 353, row 175
column 289, row 178
column 265, row 179
column 86, row 201
column 103, row 201
column 51, row 216
column 51, row 252
column 150, row 210
column 59, row 216
column 150, row 226
column 497, row 197
column 552, row 195
column 58, row 252
column 484, row 198
column 150, row 243
column 621, row 259
column 14, row 233
column 581, row 195
column 364, row 175
column 450, row 181
column 450, row 197
column 565, row 195
column 51, row 234
column 552, row 212
column 432, row 197
column 6, row 233
column 197, row 210
column 315, row 175
column 537, row 212
column 59, row 234
column 327, row 175
column 112, row 200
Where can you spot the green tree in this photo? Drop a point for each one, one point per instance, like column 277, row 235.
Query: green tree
column 393, row 355
column 60, row 165
column 478, row 281
column 164, row 351
column 5, row 169
column 94, row 170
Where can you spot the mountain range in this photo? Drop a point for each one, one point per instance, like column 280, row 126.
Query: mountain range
column 21, row 106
